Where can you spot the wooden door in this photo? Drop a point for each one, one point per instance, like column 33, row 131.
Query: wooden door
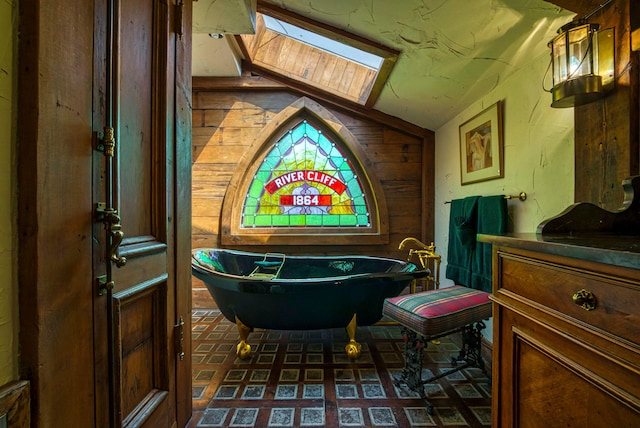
column 141, row 251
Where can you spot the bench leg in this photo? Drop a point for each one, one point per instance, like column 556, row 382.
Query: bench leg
column 411, row 374
column 471, row 352
column 470, row 355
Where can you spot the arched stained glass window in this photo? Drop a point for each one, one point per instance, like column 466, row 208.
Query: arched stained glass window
column 305, row 180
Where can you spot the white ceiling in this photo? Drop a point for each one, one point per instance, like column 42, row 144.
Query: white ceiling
column 453, row 52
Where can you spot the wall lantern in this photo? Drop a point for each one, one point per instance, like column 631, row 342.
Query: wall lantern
column 582, row 62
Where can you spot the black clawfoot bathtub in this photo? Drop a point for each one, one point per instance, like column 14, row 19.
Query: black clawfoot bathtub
column 284, row 292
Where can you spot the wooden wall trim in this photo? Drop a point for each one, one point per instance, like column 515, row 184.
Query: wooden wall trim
column 428, row 191
column 270, row 82
column 254, row 83
column 15, row 402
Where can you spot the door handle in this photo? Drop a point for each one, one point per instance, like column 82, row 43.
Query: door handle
column 111, row 220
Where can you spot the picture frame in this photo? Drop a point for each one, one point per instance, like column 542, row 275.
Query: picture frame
column 481, row 146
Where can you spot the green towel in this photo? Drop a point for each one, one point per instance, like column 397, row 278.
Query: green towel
column 462, row 239
column 492, row 220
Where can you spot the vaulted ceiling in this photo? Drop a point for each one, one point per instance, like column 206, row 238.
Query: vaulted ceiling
column 452, row 52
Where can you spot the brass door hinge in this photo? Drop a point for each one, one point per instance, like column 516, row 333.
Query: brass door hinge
column 107, row 144
column 179, row 338
column 180, row 18
column 104, row 285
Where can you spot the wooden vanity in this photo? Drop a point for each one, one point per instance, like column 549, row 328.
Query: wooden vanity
column 566, row 338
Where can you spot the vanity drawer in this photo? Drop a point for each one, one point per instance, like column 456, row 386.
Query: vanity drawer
column 552, row 284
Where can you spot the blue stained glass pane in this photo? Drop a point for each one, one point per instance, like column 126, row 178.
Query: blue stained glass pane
column 270, row 162
column 337, row 162
column 297, row 133
column 312, row 133
column 325, row 145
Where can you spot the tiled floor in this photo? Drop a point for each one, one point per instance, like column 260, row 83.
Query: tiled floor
column 305, row 379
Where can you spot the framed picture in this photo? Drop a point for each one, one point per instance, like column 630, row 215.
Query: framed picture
column 481, row 146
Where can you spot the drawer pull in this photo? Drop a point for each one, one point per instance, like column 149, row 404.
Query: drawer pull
column 585, row 299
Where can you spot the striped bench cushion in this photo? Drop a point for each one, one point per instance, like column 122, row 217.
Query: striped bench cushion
column 434, row 312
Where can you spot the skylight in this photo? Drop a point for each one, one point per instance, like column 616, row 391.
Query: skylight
column 316, row 58
column 326, row 44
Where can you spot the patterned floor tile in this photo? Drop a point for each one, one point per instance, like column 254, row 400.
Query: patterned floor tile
column 306, row 379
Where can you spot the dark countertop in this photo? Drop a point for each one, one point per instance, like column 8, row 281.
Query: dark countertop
column 610, row 249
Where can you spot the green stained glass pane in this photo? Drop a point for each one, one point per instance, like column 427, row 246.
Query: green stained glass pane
column 297, row 220
column 361, row 209
column 363, row 220
column 347, row 220
column 248, row 221
column 262, row 176
column 356, row 193
column 280, row 220
column 344, row 166
column 256, row 189
column 314, row 219
column 250, row 209
column 331, row 220
column 263, row 220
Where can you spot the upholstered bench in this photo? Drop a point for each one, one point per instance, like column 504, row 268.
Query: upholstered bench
column 432, row 314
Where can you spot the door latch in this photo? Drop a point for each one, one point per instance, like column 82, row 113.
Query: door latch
column 111, row 220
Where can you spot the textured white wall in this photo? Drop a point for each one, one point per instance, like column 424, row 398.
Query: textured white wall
column 8, row 288
column 538, row 157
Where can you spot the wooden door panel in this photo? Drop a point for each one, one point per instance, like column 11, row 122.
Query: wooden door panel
column 139, row 269
column 141, row 112
column 141, row 364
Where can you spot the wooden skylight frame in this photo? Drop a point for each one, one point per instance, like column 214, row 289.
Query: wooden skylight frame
column 311, row 69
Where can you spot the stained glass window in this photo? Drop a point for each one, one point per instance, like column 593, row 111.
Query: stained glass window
column 305, row 180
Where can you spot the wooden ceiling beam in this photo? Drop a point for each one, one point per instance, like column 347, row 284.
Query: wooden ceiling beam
column 268, row 81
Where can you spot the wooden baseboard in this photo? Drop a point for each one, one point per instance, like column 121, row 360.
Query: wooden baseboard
column 15, row 403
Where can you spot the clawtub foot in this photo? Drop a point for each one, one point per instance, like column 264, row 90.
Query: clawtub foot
column 243, row 349
column 353, row 348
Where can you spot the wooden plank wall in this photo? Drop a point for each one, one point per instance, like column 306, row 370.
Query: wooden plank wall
column 607, row 131
column 224, row 126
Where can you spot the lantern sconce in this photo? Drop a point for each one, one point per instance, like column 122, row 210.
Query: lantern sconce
column 582, row 61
